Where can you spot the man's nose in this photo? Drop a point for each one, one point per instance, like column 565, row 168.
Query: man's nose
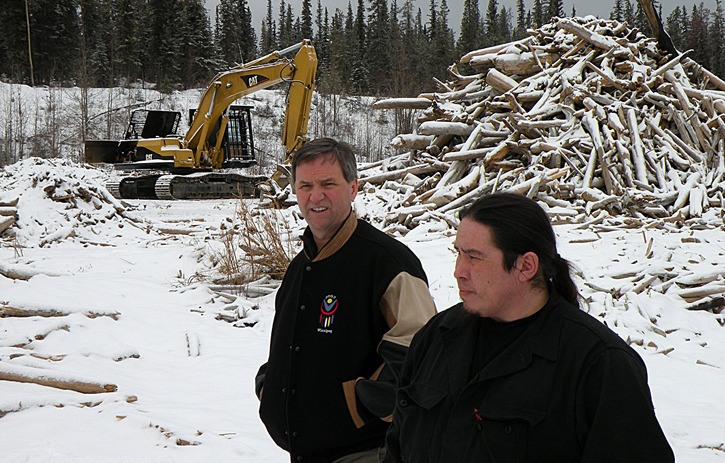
column 317, row 194
column 459, row 270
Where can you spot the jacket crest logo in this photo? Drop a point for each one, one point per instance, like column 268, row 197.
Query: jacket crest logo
column 327, row 313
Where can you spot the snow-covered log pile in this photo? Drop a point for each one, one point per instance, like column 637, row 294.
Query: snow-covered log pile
column 586, row 115
column 49, row 200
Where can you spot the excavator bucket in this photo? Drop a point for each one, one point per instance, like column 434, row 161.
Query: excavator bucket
column 101, row 151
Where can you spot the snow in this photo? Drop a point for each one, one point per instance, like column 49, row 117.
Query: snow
column 136, row 310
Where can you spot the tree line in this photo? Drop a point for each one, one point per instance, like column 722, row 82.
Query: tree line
column 373, row 47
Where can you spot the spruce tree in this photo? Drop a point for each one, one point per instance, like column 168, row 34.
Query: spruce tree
column 197, row 61
column 55, row 35
column 717, row 36
column 696, row 36
column 675, row 26
column 377, row 53
column 521, row 23
column 14, row 61
column 555, row 9
column 492, row 33
column 268, row 32
column 617, row 13
column 359, row 78
column 306, row 20
column 471, row 35
column 537, row 14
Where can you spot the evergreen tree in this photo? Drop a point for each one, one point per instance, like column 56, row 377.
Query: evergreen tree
column 471, row 35
column 696, row 36
column 441, row 41
column 717, row 36
column 537, row 14
column 268, row 32
column 55, row 35
column 640, row 21
column 504, row 25
column 197, row 61
column 359, row 77
column 492, row 34
column 236, row 36
column 284, row 38
column 306, row 21
column 617, row 13
column 377, row 53
column 555, row 9
column 337, row 68
column 14, row 60
column 94, row 67
column 521, row 23
column 629, row 13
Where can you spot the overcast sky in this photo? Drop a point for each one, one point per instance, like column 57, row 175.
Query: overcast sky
column 600, row 8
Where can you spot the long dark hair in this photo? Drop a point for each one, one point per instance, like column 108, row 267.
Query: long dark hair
column 519, row 225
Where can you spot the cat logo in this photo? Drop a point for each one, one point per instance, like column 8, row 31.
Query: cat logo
column 253, row 80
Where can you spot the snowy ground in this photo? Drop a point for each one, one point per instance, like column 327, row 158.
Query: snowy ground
column 134, row 311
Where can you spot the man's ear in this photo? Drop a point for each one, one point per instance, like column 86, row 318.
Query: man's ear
column 354, row 186
column 527, row 265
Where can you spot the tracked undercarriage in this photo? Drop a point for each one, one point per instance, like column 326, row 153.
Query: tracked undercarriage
column 198, row 185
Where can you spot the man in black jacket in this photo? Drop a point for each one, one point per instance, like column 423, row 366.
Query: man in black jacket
column 346, row 312
column 517, row 372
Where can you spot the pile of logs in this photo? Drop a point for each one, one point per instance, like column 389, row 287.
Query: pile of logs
column 43, row 201
column 586, row 115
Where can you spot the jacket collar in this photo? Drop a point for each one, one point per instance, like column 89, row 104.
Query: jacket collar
column 342, row 235
column 541, row 339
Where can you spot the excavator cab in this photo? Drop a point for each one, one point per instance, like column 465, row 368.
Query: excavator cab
column 238, row 142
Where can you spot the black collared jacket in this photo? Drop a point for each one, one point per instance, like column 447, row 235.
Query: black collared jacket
column 345, row 316
column 567, row 390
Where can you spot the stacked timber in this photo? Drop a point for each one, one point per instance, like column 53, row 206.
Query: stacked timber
column 586, row 115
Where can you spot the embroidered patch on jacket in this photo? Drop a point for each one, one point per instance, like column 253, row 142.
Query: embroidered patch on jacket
column 327, row 313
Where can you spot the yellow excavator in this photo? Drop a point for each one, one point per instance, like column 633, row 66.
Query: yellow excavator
column 194, row 166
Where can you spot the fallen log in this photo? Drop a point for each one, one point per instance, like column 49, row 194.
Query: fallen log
column 6, row 223
column 6, row 311
column 22, row 374
column 402, row 103
column 23, row 272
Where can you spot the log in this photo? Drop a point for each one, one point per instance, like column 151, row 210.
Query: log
column 49, row 378
column 465, row 59
column 6, row 311
column 445, row 128
column 412, row 141
column 500, row 81
column 402, row 103
column 599, row 41
column 23, row 272
column 6, row 223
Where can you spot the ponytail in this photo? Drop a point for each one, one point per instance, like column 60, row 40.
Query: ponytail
column 562, row 282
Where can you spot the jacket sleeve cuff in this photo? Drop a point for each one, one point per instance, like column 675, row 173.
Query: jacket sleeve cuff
column 348, row 387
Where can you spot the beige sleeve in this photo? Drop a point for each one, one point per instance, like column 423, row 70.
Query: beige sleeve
column 406, row 305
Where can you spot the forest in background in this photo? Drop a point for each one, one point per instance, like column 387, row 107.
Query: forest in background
column 374, row 47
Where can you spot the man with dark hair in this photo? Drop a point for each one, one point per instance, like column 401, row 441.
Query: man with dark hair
column 517, row 372
column 346, row 312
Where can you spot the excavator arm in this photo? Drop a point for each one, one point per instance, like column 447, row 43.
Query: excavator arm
column 658, row 29
column 203, row 137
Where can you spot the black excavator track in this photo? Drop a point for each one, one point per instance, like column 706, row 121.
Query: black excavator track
column 199, row 185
